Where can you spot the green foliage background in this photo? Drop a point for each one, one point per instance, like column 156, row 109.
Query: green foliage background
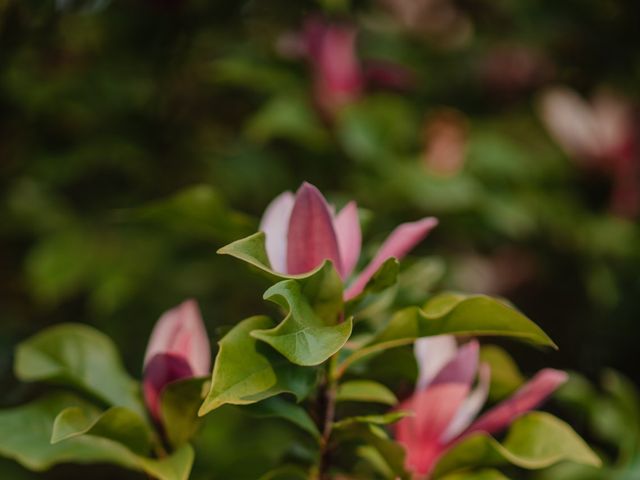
column 136, row 138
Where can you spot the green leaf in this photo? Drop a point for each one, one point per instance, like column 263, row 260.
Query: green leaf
column 280, row 408
column 197, row 210
column 25, row 434
column 365, row 391
column 386, row 276
column 288, row 472
column 505, row 375
column 452, row 314
column 82, row 357
column 180, row 402
column 247, row 371
column 384, row 419
column 487, row 474
column 536, row 440
column 302, row 337
column 117, row 423
column 289, row 117
column 321, row 287
column 373, row 437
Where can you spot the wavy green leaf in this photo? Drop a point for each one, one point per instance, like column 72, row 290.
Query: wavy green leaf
column 321, row 287
column 302, row 337
column 117, row 423
column 247, row 371
column 536, row 440
column 475, row 315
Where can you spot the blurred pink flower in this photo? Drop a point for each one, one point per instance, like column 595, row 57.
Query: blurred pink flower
column 601, row 134
column 440, row 20
column 302, row 231
column 331, row 51
column 445, row 405
column 445, row 142
column 339, row 76
column 512, row 69
column 178, row 348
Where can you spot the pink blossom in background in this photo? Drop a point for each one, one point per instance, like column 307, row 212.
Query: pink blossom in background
column 445, row 404
column 601, row 134
column 178, row 348
column 340, row 77
column 302, row 231
column 442, row 21
column 445, row 142
column 513, row 69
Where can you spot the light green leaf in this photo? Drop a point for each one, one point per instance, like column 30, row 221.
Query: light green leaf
column 247, row 371
column 25, row 434
column 180, row 402
column 536, row 440
column 117, row 423
column 302, row 337
column 505, row 375
column 82, row 357
column 321, row 287
column 365, row 391
column 453, row 314
column 384, row 419
column 487, row 474
column 280, row 408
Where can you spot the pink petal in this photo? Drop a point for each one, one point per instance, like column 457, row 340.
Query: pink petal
column 433, row 409
column 347, row 227
column 571, row 121
column 433, row 353
column 397, row 245
column 181, row 332
column 311, row 238
column 527, row 398
column 275, row 224
column 161, row 370
column 462, row 368
column 470, row 407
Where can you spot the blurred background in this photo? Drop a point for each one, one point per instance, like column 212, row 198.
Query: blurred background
column 137, row 137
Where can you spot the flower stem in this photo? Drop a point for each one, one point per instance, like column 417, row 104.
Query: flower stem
column 327, row 401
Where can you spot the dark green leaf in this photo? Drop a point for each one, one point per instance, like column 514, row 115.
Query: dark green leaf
column 180, row 402
column 280, row 408
column 384, row 419
column 370, row 436
column 247, row 371
column 82, row 357
column 288, row 472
